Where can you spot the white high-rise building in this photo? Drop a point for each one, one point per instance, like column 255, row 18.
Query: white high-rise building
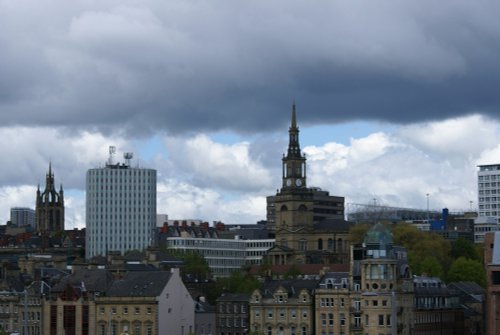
column 22, row 216
column 488, row 178
column 120, row 207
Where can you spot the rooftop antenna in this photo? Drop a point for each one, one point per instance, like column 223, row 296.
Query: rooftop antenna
column 128, row 156
column 112, row 151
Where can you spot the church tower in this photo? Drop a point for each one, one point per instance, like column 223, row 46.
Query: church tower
column 49, row 211
column 294, row 202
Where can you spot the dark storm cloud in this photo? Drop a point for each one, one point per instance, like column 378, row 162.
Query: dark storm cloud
column 193, row 65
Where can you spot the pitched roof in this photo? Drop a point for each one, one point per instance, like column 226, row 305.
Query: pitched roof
column 92, row 280
column 143, row 283
column 293, row 287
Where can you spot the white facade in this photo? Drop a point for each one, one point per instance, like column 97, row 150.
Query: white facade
column 489, row 193
column 175, row 308
column 224, row 255
column 120, row 209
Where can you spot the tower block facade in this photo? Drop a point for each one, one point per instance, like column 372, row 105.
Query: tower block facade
column 49, row 210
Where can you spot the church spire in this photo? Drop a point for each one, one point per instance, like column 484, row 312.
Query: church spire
column 293, row 144
column 294, row 164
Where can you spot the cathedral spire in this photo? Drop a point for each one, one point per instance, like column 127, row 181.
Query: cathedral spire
column 294, row 116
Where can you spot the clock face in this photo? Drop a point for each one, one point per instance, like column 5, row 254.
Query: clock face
column 288, row 182
column 298, row 182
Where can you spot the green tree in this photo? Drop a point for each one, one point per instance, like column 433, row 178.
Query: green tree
column 424, row 249
column 463, row 269
column 430, row 266
column 463, row 248
column 194, row 263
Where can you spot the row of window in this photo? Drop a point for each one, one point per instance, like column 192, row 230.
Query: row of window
column 121, row 172
column 329, row 320
column 233, row 308
column 233, row 322
column 281, row 330
column 330, row 302
column 281, row 313
column 113, row 329
column 125, row 310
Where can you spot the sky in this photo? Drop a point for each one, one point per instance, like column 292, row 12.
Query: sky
column 395, row 99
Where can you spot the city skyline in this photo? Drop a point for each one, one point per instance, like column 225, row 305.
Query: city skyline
column 392, row 103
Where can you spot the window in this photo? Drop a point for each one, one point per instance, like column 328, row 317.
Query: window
column 113, row 310
column 270, row 313
column 342, row 319
column 293, row 312
column 257, row 312
column 388, row 320
column 125, row 310
column 149, row 310
column 137, row 310
column 330, row 319
column 380, row 320
column 269, row 330
column 303, row 244
column 101, row 310
column 304, row 313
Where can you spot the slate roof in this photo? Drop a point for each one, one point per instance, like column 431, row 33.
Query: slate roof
column 145, row 284
column 135, row 255
column 236, row 297
column 94, row 280
column 469, row 291
column 334, row 278
column 293, row 287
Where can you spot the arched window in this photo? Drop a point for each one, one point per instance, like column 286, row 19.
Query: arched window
column 284, row 208
column 302, row 208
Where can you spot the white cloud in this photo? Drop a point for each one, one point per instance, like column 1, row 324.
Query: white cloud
column 217, row 165
column 435, row 158
column 181, row 200
column 465, row 136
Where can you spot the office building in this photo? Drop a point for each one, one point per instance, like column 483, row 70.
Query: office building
column 120, row 207
column 22, row 216
column 223, row 256
column 49, row 211
column 488, row 186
